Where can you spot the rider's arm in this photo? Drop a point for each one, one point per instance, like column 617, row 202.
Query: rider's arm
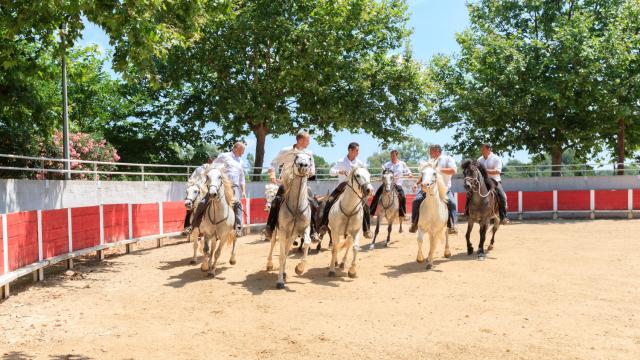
column 497, row 168
column 406, row 172
column 277, row 161
column 312, row 168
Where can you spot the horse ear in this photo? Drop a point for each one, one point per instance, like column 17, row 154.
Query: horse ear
column 465, row 164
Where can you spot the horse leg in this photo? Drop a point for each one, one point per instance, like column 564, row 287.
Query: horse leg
column 232, row 259
column 346, row 247
column 284, row 246
column 434, row 239
column 483, row 235
column 356, row 248
column 194, row 260
column 386, row 244
column 219, row 243
column 307, row 241
column 468, row 237
column 420, row 257
column 496, row 225
column 273, row 244
column 334, row 257
column 447, row 252
column 375, row 234
column 400, row 222
column 205, row 258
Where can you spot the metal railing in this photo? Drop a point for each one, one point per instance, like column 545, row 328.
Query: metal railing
column 51, row 168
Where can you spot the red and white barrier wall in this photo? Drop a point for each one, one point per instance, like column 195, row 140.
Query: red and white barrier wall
column 32, row 240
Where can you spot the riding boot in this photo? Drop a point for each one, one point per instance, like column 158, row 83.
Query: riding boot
column 272, row 220
column 187, row 222
column 366, row 221
column 415, row 211
column 402, row 199
column 237, row 210
column 376, row 198
column 197, row 217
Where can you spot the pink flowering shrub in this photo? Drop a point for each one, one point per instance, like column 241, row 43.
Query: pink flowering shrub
column 82, row 146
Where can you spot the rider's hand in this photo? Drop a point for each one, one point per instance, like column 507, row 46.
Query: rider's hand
column 272, row 178
column 244, row 195
column 414, row 187
column 342, row 172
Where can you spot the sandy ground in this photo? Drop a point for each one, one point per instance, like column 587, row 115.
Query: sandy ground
column 549, row 290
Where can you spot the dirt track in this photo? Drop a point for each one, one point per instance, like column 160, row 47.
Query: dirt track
column 561, row 290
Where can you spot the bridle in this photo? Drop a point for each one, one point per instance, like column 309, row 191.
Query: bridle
column 359, row 204
column 217, row 199
column 296, row 213
column 474, row 182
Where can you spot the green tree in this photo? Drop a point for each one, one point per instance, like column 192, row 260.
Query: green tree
column 275, row 67
column 527, row 77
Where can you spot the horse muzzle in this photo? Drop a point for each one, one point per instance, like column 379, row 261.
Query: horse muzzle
column 188, row 204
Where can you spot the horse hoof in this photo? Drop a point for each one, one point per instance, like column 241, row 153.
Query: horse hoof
column 447, row 254
column 269, row 267
column 192, row 262
column 341, row 265
column 280, row 285
column 284, row 276
column 352, row 274
column 300, row 269
column 420, row 260
column 480, row 257
column 372, row 246
column 490, row 248
column 386, row 244
column 469, row 251
column 204, row 268
column 429, row 266
column 211, row 274
column 335, row 264
column 332, row 273
column 232, row 261
column 400, row 231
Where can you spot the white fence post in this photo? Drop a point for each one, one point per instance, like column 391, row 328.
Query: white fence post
column 630, row 203
column 39, row 274
column 161, row 220
column 519, row 205
column 100, row 253
column 5, row 255
column 555, row 204
column 130, row 221
column 70, row 236
column 592, row 203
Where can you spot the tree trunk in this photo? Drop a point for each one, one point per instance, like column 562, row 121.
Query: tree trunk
column 620, row 147
column 556, row 161
column 260, row 131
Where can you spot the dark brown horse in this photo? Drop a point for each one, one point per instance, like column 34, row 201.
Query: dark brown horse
column 482, row 204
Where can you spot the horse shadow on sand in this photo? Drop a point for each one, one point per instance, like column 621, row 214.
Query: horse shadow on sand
column 412, row 267
column 195, row 275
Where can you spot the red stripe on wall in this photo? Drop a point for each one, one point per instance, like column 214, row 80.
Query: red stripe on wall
column 116, row 222
column 611, row 199
column 85, row 225
column 462, row 200
column 55, row 233
column 574, row 200
column 410, row 198
column 258, row 214
column 22, row 239
column 537, row 201
column 512, row 201
column 173, row 214
column 145, row 219
column 636, row 199
column 1, row 248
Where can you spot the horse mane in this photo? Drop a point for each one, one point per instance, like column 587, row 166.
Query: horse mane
column 485, row 176
column 425, row 164
column 287, row 174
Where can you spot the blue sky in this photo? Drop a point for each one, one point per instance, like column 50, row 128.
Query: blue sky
column 434, row 23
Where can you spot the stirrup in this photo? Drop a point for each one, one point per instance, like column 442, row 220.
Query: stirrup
column 187, row 230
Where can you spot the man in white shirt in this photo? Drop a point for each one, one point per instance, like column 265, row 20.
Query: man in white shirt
column 446, row 166
column 234, row 169
column 287, row 156
column 493, row 164
column 341, row 169
column 399, row 169
column 197, row 177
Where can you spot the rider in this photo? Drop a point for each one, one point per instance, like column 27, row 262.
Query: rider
column 493, row 164
column 197, row 177
column 342, row 169
column 286, row 156
column 398, row 168
column 234, row 169
column 446, row 166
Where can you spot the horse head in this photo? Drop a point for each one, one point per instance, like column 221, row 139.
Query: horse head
column 214, row 182
column 429, row 176
column 387, row 179
column 193, row 190
column 302, row 164
column 361, row 176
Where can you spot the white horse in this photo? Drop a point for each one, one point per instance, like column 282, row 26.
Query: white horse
column 388, row 206
column 217, row 226
column 294, row 217
column 433, row 213
column 345, row 219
